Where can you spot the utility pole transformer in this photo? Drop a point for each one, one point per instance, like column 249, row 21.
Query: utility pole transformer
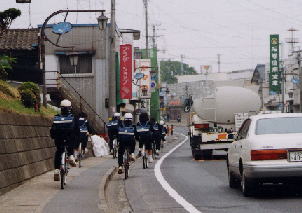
column 112, row 74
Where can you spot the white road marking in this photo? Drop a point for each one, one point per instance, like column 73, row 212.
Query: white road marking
column 166, row 186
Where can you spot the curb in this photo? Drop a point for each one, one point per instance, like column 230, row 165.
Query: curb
column 103, row 206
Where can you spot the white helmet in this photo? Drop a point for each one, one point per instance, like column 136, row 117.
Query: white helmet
column 65, row 103
column 117, row 114
column 128, row 116
column 161, row 122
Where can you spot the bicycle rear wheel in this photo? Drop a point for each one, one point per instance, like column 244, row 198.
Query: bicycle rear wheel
column 80, row 159
column 126, row 164
column 62, row 174
column 114, row 152
column 145, row 162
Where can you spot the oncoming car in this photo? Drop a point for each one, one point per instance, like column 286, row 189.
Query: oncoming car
column 268, row 149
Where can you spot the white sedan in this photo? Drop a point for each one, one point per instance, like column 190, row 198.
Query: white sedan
column 268, row 149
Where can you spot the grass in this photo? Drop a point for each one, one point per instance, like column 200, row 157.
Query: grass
column 15, row 105
column 10, row 102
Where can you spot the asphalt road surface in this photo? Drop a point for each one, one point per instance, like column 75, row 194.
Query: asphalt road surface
column 204, row 185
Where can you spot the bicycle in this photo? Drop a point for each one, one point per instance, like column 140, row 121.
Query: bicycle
column 80, row 155
column 114, row 148
column 64, row 168
column 145, row 158
column 126, row 158
column 153, row 149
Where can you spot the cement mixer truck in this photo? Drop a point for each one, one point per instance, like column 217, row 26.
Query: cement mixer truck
column 212, row 120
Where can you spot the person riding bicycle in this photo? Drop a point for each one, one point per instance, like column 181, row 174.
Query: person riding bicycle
column 112, row 127
column 126, row 138
column 84, row 132
column 156, row 135
column 64, row 130
column 164, row 130
column 144, row 131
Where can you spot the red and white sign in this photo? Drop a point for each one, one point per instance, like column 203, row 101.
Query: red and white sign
column 126, row 71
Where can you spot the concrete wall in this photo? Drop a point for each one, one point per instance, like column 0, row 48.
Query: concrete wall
column 26, row 150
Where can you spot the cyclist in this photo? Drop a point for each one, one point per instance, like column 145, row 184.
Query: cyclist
column 84, row 132
column 156, row 134
column 64, row 130
column 126, row 139
column 144, row 131
column 112, row 127
column 164, row 130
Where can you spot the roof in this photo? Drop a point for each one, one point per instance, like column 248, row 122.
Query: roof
column 276, row 115
column 19, row 39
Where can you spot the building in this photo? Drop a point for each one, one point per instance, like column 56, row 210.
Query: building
column 22, row 44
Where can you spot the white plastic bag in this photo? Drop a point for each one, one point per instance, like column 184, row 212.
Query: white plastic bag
column 100, row 147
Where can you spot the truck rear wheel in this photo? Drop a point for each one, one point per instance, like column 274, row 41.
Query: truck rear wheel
column 207, row 154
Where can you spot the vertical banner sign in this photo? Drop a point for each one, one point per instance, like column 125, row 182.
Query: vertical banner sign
column 126, row 71
column 274, row 75
column 143, row 67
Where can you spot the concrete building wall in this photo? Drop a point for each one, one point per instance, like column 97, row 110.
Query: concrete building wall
column 93, row 87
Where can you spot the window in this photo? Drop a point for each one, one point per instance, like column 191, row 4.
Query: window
column 84, row 64
column 279, row 125
column 244, row 129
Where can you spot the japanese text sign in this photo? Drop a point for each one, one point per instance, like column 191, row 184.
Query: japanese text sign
column 275, row 74
column 126, row 71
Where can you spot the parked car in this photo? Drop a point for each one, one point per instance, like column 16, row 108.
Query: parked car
column 268, row 149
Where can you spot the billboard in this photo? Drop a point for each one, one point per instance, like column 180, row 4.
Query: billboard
column 274, row 74
column 126, row 60
column 144, row 66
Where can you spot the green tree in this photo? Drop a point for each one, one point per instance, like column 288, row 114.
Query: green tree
column 5, row 65
column 7, row 17
column 168, row 70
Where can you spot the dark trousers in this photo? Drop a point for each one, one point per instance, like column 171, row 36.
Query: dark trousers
column 111, row 138
column 60, row 143
column 123, row 145
column 157, row 143
column 83, row 139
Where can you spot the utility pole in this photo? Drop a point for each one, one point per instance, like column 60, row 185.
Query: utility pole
column 300, row 78
column 147, row 26
column 154, row 37
column 182, row 64
column 112, row 74
column 218, row 62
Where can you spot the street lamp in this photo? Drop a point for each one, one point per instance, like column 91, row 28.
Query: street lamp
column 102, row 20
column 74, row 58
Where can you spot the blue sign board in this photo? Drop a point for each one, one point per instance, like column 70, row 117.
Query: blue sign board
column 62, row 28
column 139, row 76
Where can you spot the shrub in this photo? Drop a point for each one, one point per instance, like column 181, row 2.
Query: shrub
column 30, row 94
column 8, row 90
column 28, row 98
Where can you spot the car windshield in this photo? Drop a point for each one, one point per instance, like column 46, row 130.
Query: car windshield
column 279, row 126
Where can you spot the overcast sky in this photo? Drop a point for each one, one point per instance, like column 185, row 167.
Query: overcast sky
column 200, row 29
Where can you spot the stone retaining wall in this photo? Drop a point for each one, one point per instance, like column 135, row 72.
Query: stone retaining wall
column 26, row 149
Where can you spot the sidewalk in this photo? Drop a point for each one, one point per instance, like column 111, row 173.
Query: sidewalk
column 42, row 194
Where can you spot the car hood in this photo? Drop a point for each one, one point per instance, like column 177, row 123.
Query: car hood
column 277, row 141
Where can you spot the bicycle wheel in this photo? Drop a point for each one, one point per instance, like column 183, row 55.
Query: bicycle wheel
column 62, row 174
column 80, row 159
column 153, row 150
column 114, row 152
column 145, row 161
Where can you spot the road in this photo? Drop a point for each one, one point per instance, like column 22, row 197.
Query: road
column 204, row 185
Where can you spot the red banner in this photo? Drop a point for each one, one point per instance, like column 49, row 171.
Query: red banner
column 126, row 71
